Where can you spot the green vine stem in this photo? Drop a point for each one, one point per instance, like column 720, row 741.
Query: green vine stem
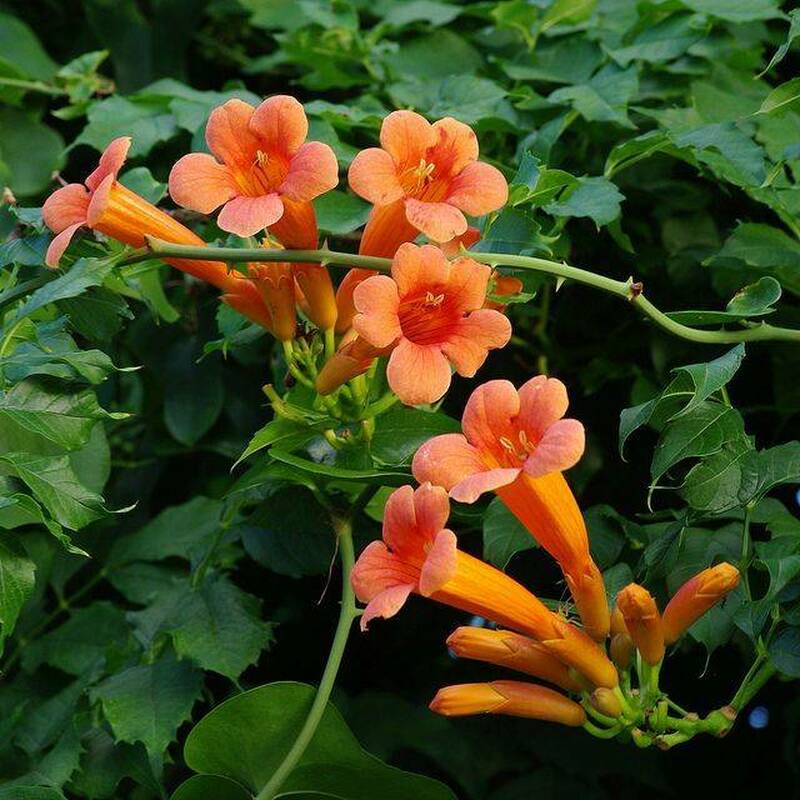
column 628, row 290
column 347, row 613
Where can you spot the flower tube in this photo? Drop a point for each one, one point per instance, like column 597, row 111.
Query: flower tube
column 642, row 621
column 517, row 445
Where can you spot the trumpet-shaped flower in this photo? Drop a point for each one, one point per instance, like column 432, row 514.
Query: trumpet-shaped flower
column 697, row 596
column 642, row 621
column 430, row 309
column 418, row 554
column 517, row 444
column 422, row 178
column 512, row 698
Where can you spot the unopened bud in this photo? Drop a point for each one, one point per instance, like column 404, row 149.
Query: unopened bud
column 642, row 621
column 606, row 702
column 621, row 650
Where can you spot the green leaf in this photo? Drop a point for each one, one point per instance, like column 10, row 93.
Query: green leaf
column 148, row 703
column 604, row 98
column 54, row 483
column 714, row 485
column 278, row 430
column 431, row 11
column 434, row 56
column 247, row 737
column 17, row 580
column 662, row 42
column 596, row 198
column 608, row 531
column 784, row 651
column 402, row 430
column 141, row 181
column 339, row 213
column 29, row 150
column 202, row 787
column 736, row 146
column 782, row 98
column 384, row 477
column 22, row 51
column 793, row 33
column 736, row 10
column 503, row 535
column 762, row 471
column 756, row 298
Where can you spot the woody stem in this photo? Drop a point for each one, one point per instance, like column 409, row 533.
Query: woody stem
column 626, row 290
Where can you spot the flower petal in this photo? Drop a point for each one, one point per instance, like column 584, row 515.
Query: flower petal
column 440, row 565
column 59, row 244
column 313, row 171
column 198, row 181
column 247, row 216
column 481, row 331
column 472, row 487
column 438, row 221
column 228, row 136
column 468, row 281
column 417, row 374
column 406, row 136
column 478, row 189
column 456, row 145
column 431, row 509
column 66, row 207
column 111, row 161
column 373, row 176
column 400, row 522
column 445, row 460
column 281, row 124
column 386, row 604
column 560, row 448
column 377, row 301
column 489, row 414
column 542, row 401
column 414, row 268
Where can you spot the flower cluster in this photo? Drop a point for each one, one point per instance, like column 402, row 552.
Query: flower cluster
column 517, row 444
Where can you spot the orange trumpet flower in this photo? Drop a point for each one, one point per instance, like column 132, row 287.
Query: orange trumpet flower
column 422, row 178
column 517, row 444
column 418, row 554
column 512, row 698
column 697, row 596
column 642, row 621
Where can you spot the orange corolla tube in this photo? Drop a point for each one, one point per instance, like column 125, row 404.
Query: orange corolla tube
column 418, row 554
column 516, row 443
column 422, row 179
column 354, row 357
column 513, row 698
column 249, row 302
column 513, row 651
column 275, row 282
column 642, row 621
column 697, row 596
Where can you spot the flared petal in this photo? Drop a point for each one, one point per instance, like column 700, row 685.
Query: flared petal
column 440, row 565
column 373, row 176
column 417, row 373
column 66, row 207
column 438, row 221
column 228, row 134
column 198, row 181
column 446, row 460
column 377, row 569
column 280, row 123
column 431, row 509
column 59, row 244
column 478, row 189
column 468, row 346
column 489, row 414
column 377, row 301
column 313, row 171
column 456, row 145
column 406, row 136
column 415, row 268
column 110, row 162
column 400, row 530
column 386, row 604
column 560, row 448
column 468, row 283
column 247, row 216
column 542, row 401
column 472, row 487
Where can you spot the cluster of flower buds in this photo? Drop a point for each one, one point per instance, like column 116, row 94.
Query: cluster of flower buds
column 517, row 444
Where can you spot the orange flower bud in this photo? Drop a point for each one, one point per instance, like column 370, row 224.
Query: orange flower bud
column 617, row 622
column 276, row 284
column 696, row 596
column 512, row 650
column 354, row 357
column 621, row 650
column 248, row 302
column 503, row 286
column 578, row 650
column 642, row 621
column 606, row 702
column 508, row 697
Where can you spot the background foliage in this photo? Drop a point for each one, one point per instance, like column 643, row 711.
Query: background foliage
column 143, row 581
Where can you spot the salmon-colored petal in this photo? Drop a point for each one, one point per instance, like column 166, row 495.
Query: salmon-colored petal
column 247, row 216
column 198, row 181
column 99, row 200
column 468, row 282
column 445, row 460
column 431, row 508
column 228, row 134
column 313, row 171
column 66, row 207
column 415, row 268
column 281, row 124
column 110, row 162
column 59, row 244
column 455, row 246
column 417, row 374
column 475, row 335
column 489, row 414
column 373, row 176
column 542, row 401
column 400, row 530
column 374, row 571
column 472, row 487
column 440, row 565
column 478, row 189
column 406, row 136
column 377, row 301
column 438, row 221
column 456, row 145
column 386, row 604
column 560, row 448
